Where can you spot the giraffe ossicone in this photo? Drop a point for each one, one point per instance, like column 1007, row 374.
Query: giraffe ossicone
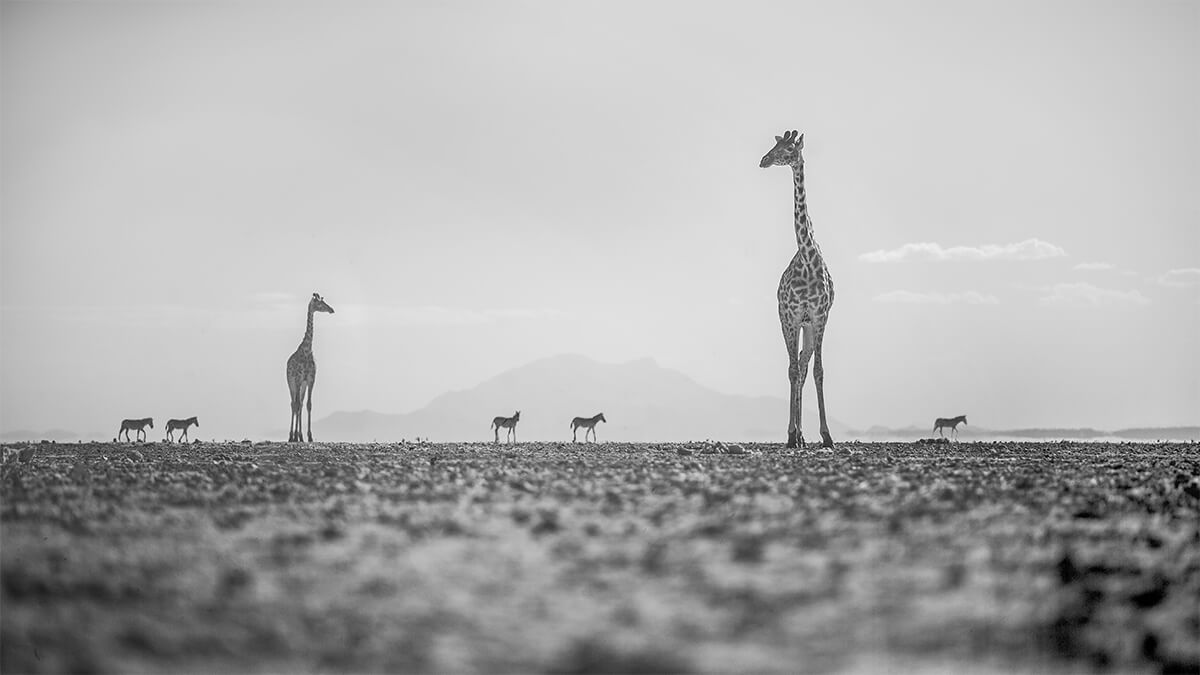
column 805, row 295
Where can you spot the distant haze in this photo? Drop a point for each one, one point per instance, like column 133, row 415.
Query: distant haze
column 1004, row 194
column 641, row 401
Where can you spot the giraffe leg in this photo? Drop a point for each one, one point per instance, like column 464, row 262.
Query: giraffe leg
column 791, row 339
column 805, row 359
column 819, row 378
column 297, row 419
column 806, row 354
column 310, row 388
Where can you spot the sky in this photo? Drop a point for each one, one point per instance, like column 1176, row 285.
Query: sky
column 1003, row 192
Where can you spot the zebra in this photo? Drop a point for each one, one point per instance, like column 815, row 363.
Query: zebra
column 951, row 422
column 588, row 424
column 139, row 426
column 509, row 423
column 175, row 425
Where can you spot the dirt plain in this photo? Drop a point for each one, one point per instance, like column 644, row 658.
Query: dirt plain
column 574, row 558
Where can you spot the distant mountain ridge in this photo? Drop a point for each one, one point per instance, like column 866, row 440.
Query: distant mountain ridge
column 641, row 400
column 49, row 435
column 1179, row 433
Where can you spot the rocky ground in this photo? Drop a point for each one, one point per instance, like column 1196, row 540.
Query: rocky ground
column 988, row 557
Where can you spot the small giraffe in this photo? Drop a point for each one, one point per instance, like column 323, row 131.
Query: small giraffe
column 588, row 424
column 951, row 422
column 509, row 423
column 805, row 295
column 139, row 427
column 302, row 373
column 177, row 425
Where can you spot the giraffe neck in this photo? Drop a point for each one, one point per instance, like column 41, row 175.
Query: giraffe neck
column 804, row 234
column 306, row 343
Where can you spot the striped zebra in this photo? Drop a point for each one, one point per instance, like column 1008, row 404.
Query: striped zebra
column 139, row 426
column 180, row 425
column 588, row 424
column 951, row 422
column 509, row 423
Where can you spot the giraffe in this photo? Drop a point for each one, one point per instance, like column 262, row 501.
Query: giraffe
column 302, row 373
column 509, row 423
column 805, row 295
column 951, row 422
column 588, row 424
column 176, row 425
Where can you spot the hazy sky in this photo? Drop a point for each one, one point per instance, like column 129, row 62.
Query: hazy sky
column 1004, row 194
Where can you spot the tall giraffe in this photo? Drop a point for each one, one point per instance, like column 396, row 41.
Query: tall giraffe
column 805, row 295
column 302, row 373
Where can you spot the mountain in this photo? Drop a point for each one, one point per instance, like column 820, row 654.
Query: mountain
column 50, row 435
column 880, row 433
column 641, row 400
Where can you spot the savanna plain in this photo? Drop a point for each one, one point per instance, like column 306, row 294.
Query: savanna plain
column 612, row 557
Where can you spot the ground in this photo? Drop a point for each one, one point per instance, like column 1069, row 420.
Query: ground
column 548, row 557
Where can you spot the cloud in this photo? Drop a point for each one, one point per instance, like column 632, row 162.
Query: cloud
column 1181, row 278
column 1091, row 296
column 1095, row 266
column 908, row 297
column 1030, row 249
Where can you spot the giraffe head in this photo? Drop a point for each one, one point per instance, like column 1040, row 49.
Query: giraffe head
column 786, row 151
column 317, row 304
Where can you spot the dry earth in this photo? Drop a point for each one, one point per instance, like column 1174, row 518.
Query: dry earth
column 1001, row 557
